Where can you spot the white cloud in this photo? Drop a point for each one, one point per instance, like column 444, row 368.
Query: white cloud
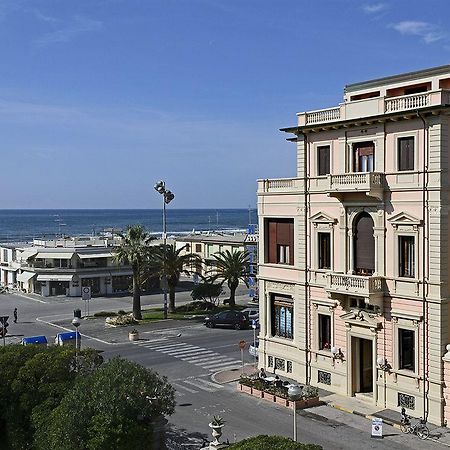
column 66, row 33
column 427, row 31
column 374, row 8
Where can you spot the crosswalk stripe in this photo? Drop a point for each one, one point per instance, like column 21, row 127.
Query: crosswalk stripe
column 180, row 386
column 215, row 361
column 187, row 350
column 197, row 385
column 205, row 357
column 233, row 366
column 151, row 341
column 162, row 347
column 210, row 366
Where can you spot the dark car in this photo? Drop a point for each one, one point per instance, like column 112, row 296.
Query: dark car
column 234, row 319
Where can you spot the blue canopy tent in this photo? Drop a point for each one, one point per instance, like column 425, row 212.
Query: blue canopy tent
column 42, row 340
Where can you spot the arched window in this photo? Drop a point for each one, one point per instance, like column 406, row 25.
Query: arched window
column 364, row 245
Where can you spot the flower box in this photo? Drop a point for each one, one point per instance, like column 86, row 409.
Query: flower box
column 258, row 393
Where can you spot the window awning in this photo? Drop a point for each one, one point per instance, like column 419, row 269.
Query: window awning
column 26, row 254
column 25, row 277
column 95, row 255
column 54, row 255
column 55, row 277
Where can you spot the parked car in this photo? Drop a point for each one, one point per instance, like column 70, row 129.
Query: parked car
column 253, row 349
column 230, row 318
column 252, row 314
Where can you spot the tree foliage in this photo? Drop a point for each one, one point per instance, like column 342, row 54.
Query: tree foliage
column 264, row 442
column 134, row 249
column 34, row 380
column 230, row 268
column 207, row 291
column 114, row 407
column 167, row 260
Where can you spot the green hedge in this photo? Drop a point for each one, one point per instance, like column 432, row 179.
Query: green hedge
column 273, row 443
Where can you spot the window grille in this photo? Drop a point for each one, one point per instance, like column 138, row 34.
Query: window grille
column 270, row 361
column 406, row 401
column 289, row 366
column 280, row 364
column 324, row 377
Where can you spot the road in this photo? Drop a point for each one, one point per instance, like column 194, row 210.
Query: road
column 188, row 354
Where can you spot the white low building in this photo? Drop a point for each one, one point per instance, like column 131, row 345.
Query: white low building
column 63, row 266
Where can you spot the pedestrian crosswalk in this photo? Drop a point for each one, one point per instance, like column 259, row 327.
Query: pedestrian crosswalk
column 192, row 354
column 193, row 385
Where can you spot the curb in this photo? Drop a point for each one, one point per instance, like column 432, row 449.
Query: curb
column 371, row 416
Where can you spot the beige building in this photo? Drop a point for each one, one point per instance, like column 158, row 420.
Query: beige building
column 354, row 250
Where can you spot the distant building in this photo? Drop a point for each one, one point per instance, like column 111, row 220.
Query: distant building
column 354, row 250
column 62, row 266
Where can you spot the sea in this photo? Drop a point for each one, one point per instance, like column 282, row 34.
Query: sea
column 26, row 224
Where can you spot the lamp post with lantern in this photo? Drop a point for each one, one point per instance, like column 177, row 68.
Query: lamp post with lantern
column 295, row 393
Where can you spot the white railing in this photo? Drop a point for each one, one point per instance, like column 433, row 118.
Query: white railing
column 279, row 185
column 362, row 180
column 323, row 115
column 355, row 283
column 405, row 102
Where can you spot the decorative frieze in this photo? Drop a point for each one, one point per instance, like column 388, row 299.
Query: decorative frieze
column 273, row 286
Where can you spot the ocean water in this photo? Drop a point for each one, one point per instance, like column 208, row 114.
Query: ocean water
column 18, row 225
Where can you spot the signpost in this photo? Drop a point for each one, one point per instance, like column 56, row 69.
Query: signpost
column 377, row 428
column 254, row 338
column 86, row 296
column 4, row 323
column 242, row 345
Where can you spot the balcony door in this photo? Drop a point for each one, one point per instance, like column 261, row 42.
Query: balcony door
column 363, row 157
column 364, row 245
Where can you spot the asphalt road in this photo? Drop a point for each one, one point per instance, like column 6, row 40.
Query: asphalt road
column 188, row 354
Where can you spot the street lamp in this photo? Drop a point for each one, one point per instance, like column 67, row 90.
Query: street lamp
column 76, row 322
column 294, row 393
column 168, row 196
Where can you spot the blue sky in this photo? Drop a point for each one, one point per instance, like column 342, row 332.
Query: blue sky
column 99, row 99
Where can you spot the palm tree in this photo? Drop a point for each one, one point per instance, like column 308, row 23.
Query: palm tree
column 134, row 249
column 231, row 267
column 169, row 261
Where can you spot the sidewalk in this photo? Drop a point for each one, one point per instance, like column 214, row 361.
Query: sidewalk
column 350, row 405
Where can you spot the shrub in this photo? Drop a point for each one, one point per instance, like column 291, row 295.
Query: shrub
column 263, row 442
column 105, row 314
column 310, row 392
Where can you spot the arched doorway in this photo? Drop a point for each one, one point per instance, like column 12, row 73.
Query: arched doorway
column 364, row 245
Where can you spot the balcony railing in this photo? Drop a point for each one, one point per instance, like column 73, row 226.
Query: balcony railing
column 360, row 109
column 406, row 102
column 279, row 185
column 354, row 284
column 369, row 182
column 323, row 115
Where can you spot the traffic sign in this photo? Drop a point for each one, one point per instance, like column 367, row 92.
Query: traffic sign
column 377, row 427
column 4, row 320
column 242, row 344
column 254, row 324
column 86, row 292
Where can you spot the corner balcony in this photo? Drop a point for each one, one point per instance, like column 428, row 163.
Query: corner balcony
column 280, row 186
column 370, row 287
column 369, row 183
column 360, row 109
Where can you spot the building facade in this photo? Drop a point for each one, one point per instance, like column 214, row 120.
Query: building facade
column 63, row 266
column 353, row 251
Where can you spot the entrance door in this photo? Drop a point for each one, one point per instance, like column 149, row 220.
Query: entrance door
column 362, row 365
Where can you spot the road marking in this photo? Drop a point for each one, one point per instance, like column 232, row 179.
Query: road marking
column 159, row 347
column 215, row 366
column 217, row 361
column 205, row 356
column 210, row 383
column 184, row 351
column 196, row 384
column 180, row 386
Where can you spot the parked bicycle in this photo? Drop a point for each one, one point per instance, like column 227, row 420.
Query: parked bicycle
column 420, row 428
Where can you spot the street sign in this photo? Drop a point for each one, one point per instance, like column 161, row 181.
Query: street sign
column 242, row 344
column 254, row 324
column 86, row 292
column 377, row 428
column 4, row 320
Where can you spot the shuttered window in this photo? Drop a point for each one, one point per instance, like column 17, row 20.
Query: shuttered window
column 406, row 153
column 364, row 245
column 324, row 250
column 279, row 241
column 406, row 344
column 323, row 160
column 282, row 316
column 406, row 257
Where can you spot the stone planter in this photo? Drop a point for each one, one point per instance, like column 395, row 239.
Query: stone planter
column 216, row 433
column 299, row 404
column 133, row 336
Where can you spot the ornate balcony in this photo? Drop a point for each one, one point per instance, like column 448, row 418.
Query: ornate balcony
column 370, row 183
column 370, row 287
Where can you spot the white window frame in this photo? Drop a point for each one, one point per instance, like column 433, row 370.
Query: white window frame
column 397, row 136
column 351, row 142
column 325, row 309
column 322, row 224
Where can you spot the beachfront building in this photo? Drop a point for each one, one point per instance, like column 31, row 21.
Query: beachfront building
column 354, row 250
column 63, row 266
